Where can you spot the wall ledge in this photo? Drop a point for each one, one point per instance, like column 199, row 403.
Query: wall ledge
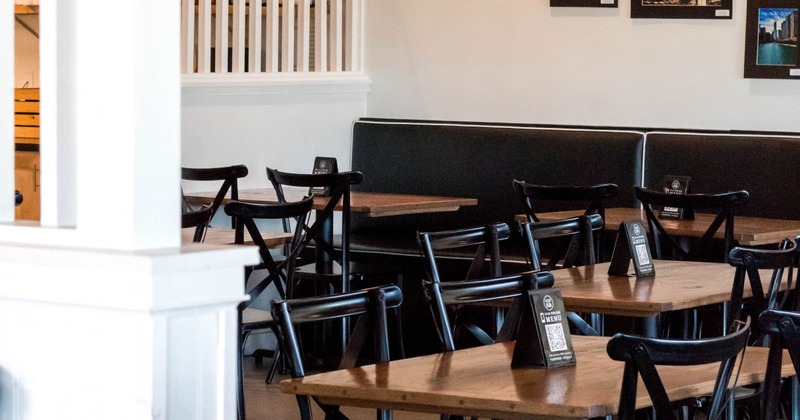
column 214, row 84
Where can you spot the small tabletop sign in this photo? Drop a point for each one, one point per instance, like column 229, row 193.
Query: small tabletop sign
column 323, row 165
column 631, row 244
column 676, row 185
column 543, row 337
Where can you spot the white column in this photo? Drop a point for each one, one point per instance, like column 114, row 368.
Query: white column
column 7, row 113
column 127, row 120
column 58, row 143
column 110, row 317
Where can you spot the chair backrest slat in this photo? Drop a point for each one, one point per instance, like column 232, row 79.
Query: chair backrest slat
column 593, row 197
column 486, row 239
column 441, row 294
column 722, row 203
column 338, row 186
column 229, row 175
column 197, row 219
column 370, row 303
column 748, row 262
column 280, row 273
column 641, row 356
column 579, row 233
column 784, row 329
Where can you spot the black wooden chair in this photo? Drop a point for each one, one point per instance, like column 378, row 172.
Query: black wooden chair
column 485, row 240
column 783, row 327
column 579, row 251
column 321, row 231
column 641, row 356
column 723, row 204
column 748, row 262
column 579, row 230
column 280, row 273
column 371, row 304
column 198, row 220
column 229, row 175
column 441, row 295
column 453, row 294
column 594, row 198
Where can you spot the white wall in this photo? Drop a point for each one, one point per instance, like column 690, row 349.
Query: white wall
column 280, row 127
column 522, row 61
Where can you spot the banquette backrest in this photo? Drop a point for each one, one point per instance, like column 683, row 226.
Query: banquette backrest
column 481, row 160
column 764, row 165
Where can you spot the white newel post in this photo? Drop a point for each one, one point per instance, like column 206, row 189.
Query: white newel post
column 103, row 315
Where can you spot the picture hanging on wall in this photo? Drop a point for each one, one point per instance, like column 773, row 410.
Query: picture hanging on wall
column 583, row 3
column 772, row 39
column 682, row 9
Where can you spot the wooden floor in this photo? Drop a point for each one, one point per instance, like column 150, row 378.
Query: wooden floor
column 264, row 401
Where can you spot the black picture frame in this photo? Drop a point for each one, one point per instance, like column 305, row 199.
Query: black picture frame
column 769, row 55
column 682, row 9
column 585, row 3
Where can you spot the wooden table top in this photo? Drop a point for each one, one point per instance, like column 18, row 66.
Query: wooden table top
column 479, row 381
column 747, row 231
column 220, row 236
column 370, row 204
column 676, row 285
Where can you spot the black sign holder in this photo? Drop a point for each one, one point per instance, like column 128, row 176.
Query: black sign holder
column 631, row 244
column 677, row 185
column 543, row 338
column 323, row 165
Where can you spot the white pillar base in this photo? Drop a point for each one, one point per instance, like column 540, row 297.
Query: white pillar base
column 101, row 334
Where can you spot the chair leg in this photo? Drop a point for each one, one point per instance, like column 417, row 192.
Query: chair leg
column 275, row 362
column 305, row 407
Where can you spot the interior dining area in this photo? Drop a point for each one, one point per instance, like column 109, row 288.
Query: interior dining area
column 408, row 209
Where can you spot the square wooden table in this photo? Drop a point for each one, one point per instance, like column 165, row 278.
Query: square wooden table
column 747, row 231
column 676, row 285
column 480, row 382
column 368, row 203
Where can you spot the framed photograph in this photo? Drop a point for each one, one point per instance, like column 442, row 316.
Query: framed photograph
column 682, row 9
column 772, row 39
column 583, row 3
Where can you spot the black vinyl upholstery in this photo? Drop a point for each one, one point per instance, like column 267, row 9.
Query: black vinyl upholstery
column 762, row 165
column 480, row 161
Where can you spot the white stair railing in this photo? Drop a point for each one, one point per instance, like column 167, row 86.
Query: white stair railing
column 271, row 36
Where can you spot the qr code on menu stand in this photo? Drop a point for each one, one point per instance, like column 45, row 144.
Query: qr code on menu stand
column 555, row 337
column 641, row 254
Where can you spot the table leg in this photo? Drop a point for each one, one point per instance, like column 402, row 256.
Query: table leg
column 323, row 260
column 324, row 264
column 649, row 326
